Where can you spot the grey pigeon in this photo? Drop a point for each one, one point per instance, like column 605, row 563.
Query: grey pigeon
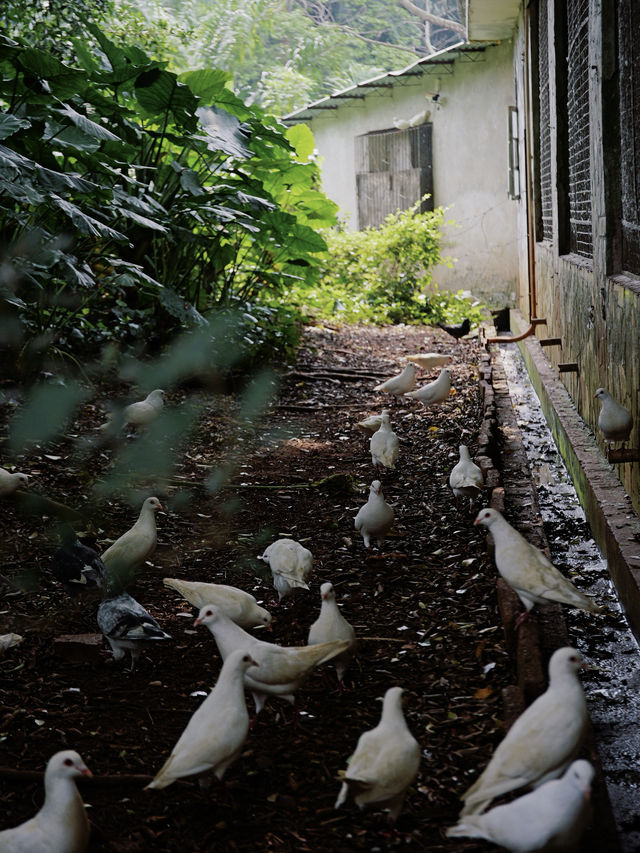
column 127, row 626
column 77, row 566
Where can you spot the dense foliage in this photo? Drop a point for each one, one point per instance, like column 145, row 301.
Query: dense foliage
column 284, row 53
column 130, row 198
column 385, row 274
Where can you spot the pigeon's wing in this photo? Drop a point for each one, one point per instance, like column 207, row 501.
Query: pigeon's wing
column 539, row 744
column 382, row 765
column 281, row 665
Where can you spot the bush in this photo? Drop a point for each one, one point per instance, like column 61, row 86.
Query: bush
column 384, row 275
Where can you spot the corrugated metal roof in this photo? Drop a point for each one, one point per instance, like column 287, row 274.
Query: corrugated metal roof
column 439, row 60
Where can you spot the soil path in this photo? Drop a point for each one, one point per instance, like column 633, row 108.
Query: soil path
column 423, row 607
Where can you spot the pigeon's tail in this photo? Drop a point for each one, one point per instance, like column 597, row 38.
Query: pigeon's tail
column 293, row 581
column 574, row 598
column 470, row 827
column 332, row 649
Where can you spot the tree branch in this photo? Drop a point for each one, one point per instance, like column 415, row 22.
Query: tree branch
column 433, row 19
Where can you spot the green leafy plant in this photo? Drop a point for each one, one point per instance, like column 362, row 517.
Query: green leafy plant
column 385, row 275
column 132, row 198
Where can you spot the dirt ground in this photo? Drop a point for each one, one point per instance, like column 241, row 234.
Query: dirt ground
column 423, row 607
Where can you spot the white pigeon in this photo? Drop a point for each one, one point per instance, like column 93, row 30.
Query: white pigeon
column 240, row 606
column 281, row 670
column 401, row 123
column 526, row 569
column 290, row 564
column 375, row 518
column 402, row 382
column 217, row 730
column 553, row 816
column 428, row 360
column 384, row 444
column 385, row 761
column 433, row 392
column 135, row 546
column 61, row 825
column 145, row 411
column 615, row 422
column 370, row 424
column 542, row 742
column 466, row 479
column 331, row 625
column 10, row 483
column 127, row 626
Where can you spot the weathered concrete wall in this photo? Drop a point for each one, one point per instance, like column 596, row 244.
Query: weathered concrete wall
column 600, row 329
column 470, row 162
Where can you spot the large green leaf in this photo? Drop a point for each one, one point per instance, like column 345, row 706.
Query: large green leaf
column 84, row 222
column 301, row 137
column 91, row 128
column 207, row 83
column 159, row 92
column 44, row 414
column 9, row 124
column 223, row 132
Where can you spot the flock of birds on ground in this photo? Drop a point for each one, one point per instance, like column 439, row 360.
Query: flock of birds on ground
column 539, row 750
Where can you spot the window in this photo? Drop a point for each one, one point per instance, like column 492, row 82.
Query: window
column 514, row 155
column 544, row 127
column 393, row 171
column 580, row 234
column 629, row 65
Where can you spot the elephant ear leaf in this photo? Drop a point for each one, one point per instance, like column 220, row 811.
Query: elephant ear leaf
column 223, row 132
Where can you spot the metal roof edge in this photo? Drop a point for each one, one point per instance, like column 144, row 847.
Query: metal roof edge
column 382, row 79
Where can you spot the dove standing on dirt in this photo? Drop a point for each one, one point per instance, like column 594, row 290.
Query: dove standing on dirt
column 433, row 392
column 281, row 670
column 77, row 566
column 385, row 761
column 428, row 360
column 9, row 641
column 10, row 483
column 331, row 625
column 133, row 547
column 290, row 564
column 370, row 425
column 542, row 742
column 375, row 518
column 553, row 816
column 145, row 411
column 466, row 479
column 217, row 730
column 127, row 626
column 240, row 606
column 61, row 825
column 526, row 569
column 615, row 422
column 384, row 444
column 402, row 382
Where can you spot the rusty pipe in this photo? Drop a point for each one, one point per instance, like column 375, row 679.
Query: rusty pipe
column 536, row 321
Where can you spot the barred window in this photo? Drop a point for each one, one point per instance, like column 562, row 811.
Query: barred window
column 579, row 177
column 544, row 126
column 629, row 65
column 394, row 168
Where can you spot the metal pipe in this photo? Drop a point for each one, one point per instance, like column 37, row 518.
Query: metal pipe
column 535, row 321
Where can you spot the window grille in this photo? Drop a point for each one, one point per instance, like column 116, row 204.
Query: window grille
column 579, row 177
column 544, row 125
column 629, row 64
column 514, row 155
column 393, row 170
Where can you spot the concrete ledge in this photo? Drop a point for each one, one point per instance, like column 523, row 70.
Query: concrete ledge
column 614, row 523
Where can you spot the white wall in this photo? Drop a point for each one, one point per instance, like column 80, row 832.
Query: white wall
column 470, row 162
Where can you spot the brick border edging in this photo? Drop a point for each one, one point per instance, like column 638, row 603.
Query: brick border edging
column 511, row 483
column 610, row 513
